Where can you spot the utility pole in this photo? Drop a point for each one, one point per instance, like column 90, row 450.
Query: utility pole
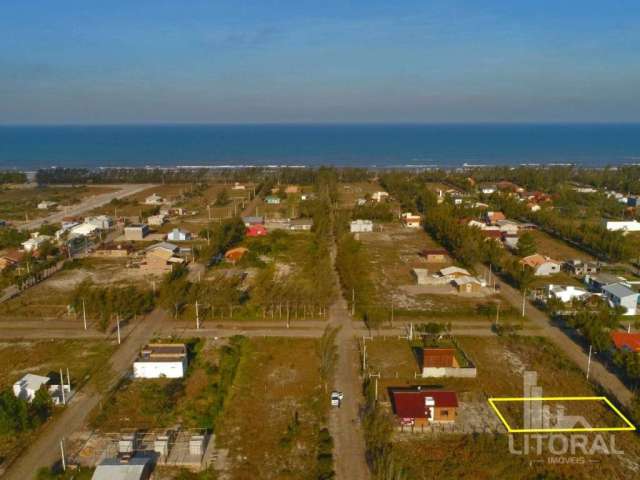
column 197, row 317
column 376, row 376
column 364, row 355
column 84, row 314
column 353, row 302
column 64, row 402
column 498, row 314
column 524, row 297
column 589, row 361
column 69, row 380
column 118, row 327
column 62, row 459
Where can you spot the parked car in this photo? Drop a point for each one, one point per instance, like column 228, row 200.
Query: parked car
column 336, row 398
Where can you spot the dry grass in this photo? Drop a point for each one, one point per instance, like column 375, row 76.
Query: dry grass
column 557, row 249
column 277, row 380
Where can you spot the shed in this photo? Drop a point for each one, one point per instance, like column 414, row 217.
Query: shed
column 421, row 275
column 235, row 254
column 435, row 255
column 134, row 468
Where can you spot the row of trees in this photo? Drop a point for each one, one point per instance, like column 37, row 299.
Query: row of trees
column 104, row 303
column 12, row 176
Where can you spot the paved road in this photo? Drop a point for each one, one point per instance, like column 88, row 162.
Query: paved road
column 88, row 204
column 45, row 450
column 574, row 351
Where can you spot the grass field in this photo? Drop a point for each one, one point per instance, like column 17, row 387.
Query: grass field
column 556, row 248
column 350, row 192
column 275, row 411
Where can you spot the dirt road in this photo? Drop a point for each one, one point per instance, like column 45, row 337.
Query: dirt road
column 88, row 204
column 45, row 451
column 598, row 373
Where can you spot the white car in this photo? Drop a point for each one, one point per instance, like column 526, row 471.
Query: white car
column 336, row 398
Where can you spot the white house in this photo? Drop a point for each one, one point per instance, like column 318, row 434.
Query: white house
column 35, row 242
column 27, row 386
column 541, row 265
column 154, row 199
column 566, row 293
column 83, row 229
column 156, row 220
column 619, row 295
column 103, row 222
column 410, row 220
column 358, row 226
column 379, row 196
column 161, row 360
column 177, row 235
column 46, row 205
column 630, row 226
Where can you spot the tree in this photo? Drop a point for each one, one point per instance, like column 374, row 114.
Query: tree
column 41, row 406
column 222, row 198
column 527, row 245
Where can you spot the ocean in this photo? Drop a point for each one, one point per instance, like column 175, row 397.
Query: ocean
column 33, row 147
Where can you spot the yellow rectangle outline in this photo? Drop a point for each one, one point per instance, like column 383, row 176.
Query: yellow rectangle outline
column 493, row 401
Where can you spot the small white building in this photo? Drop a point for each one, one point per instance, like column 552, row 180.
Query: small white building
column 161, row 360
column 178, row 235
column 453, row 272
column 410, row 220
column 35, row 242
column 380, row 196
column 156, row 220
column 359, row 226
column 154, row 199
column 83, row 229
column 421, row 275
column 27, row 386
column 103, row 222
column 46, row 205
column 566, row 293
column 629, row 226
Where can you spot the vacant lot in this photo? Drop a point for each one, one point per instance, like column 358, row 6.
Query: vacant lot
column 21, row 203
column 501, row 363
column 275, row 411
column 557, row 249
column 350, row 192
column 391, row 254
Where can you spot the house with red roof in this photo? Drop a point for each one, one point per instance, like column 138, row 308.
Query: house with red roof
column 256, row 230
column 418, row 407
column 443, row 362
column 626, row 341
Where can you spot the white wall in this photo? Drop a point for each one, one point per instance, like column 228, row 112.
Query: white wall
column 159, row 369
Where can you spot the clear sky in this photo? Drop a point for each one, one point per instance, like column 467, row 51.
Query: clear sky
column 136, row 61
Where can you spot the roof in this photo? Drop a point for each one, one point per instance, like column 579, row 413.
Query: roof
column 411, row 403
column 113, row 469
column 536, row 260
column 492, row 233
column 301, row 221
column 452, row 270
column 605, row 278
column 437, row 357
column 619, row 290
column 164, row 246
column 630, row 341
column 32, row 382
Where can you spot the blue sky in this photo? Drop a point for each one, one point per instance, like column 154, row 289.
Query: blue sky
column 139, row 61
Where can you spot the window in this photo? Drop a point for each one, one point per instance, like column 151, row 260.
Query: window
column 444, row 413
